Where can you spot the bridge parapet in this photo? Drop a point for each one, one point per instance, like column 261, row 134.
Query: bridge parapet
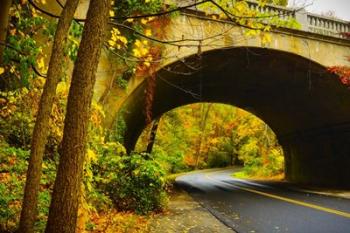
column 310, row 22
column 327, row 26
column 280, row 11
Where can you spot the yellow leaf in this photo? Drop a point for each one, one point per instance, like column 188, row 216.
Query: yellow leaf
column 41, row 63
column 129, row 20
column 148, row 32
column 12, row 69
column 91, row 155
column 222, row 16
column 123, row 39
column 143, row 51
column 2, row 70
column 266, row 38
column 136, row 52
column 115, row 31
column 240, row 7
column 34, row 13
column 138, row 43
column 111, row 13
column 144, row 21
column 111, row 43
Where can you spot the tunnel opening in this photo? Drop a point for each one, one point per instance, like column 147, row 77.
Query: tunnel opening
column 305, row 106
column 212, row 135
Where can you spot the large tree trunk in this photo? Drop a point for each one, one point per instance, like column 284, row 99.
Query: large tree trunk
column 41, row 129
column 4, row 21
column 67, row 188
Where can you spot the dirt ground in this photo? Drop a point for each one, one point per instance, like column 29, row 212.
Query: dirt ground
column 184, row 215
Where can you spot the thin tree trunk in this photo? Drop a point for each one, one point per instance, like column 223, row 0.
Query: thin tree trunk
column 4, row 21
column 41, row 128
column 203, row 123
column 67, row 188
column 152, row 135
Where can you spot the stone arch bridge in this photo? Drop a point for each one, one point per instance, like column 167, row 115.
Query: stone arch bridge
column 284, row 82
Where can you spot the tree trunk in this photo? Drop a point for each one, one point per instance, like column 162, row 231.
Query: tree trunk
column 152, row 135
column 41, row 129
column 4, row 21
column 202, row 124
column 67, row 188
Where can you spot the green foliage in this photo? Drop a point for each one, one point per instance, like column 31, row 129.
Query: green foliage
column 100, row 170
column 129, row 7
column 102, row 158
column 16, row 122
column 18, row 110
column 13, row 167
column 116, row 134
column 139, row 184
column 171, row 162
column 122, row 83
column 75, row 32
column 258, row 148
column 277, row 2
column 29, row 35
column 23, row 52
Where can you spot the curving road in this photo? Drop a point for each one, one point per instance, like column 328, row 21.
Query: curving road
column 249, row 207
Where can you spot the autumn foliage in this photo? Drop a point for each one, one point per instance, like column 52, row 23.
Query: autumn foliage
column 342, row 71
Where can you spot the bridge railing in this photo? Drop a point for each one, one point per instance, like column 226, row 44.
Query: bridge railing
column 282, row 12
column 327, row 26
column 309, row 22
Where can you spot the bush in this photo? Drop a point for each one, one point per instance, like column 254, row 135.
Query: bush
column 139, row 185
column 171, row 163
column 13, row 167
column 100, row 172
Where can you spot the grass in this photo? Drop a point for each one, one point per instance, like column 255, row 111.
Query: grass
column 244, row 175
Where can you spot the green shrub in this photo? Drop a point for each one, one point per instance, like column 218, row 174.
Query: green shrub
column 139, row 185
column 171, row 163
column 13, row 167
column 100, row 172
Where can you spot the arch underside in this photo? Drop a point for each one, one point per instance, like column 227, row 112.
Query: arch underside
column 307, row 107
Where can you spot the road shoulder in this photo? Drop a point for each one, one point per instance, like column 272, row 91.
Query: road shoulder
column 186, row 215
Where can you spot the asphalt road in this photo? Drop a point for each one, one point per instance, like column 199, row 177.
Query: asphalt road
column 249, row 207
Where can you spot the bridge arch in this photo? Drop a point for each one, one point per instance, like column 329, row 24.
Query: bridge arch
column 304, row 105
